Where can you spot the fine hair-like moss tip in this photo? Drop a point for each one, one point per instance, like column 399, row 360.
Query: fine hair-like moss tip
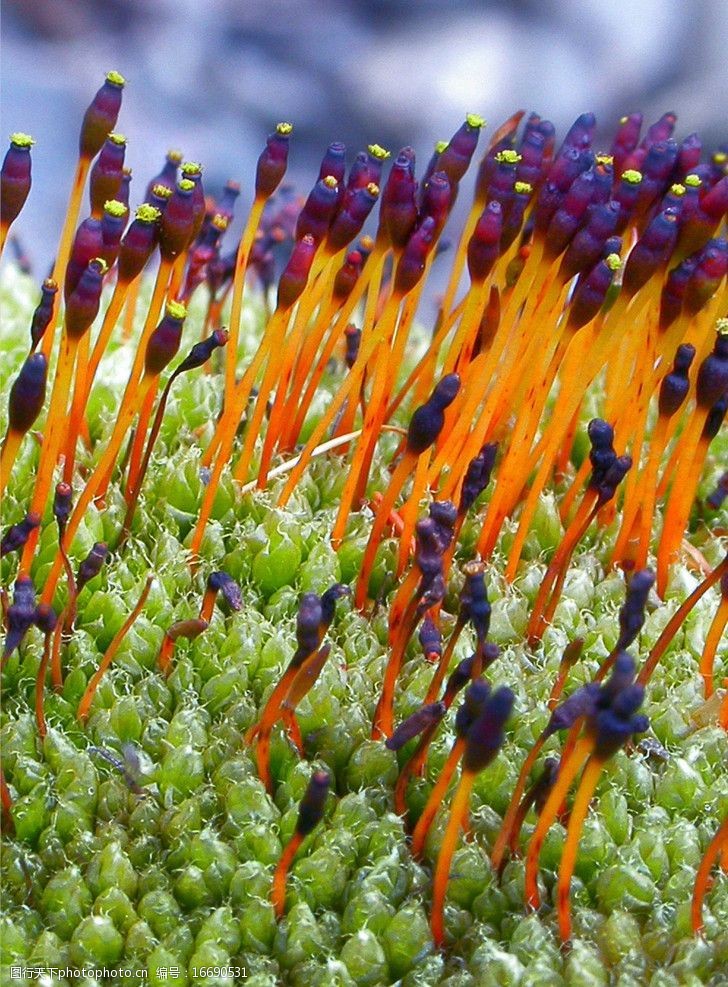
column 440, row 146
column 284, row 129
column 474, row 121
column 191, row 168
column 693, row 181
column 115, row 208
column 377, row 151
column 523, row 188
column 21, row 140
column 632, row 176
column 176, row 310
column 613, row 262
column 147, row 213
column 185, row 185
column 116, row 78
column 508, row 156
column 162, row 191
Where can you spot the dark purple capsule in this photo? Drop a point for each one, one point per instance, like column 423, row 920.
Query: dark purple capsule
column 673, row 291
column 578, row 704
column 474, row 604
column 477, row 476
column 459, row 678
column 688, row 155
column 359, row 171
column 82, row 305
column 496, row 185
column 657, row 168
column 591, row 291
column 612, row 727
column 625, row 140
column 352, row 213
column 626, row 193
column 541, row 788
column 311, row 810
column 455, row 159
column 168, row 175
column 138, row 243
column 92, row 564
column 273, row 161
column 538, row 138
column 27, row 394
column 88, row 243
column 113, row 223
column 651, row 252
column 569, row 216
column 17, row 534
column 101, row 116
column 568, row 165
column 472, row 705
column 484, row 244
column 715, row 200
column 295, row 275
column 444, row 514
column 328, row 604
column 676, row 384
column 428, row 549
column 398, row 206
column 202, row 351
column 422, row 719
column 427, row 420
column 107, row 173
column 221, row 582
column 308, row 622
column 177, row 223
column 660, row 131
column 580, row 133
column 192, row 172
column 318, row 210
column 487, row 733
column 714, row 419
column 712, row 380
column 62, row 504
column 430, row 637
column 159, row 198
column 352, row 338
column 436, row 201
column 334, row 163
column 122, row 195
column 346, row 276
column 632, row 614
column 709, row 272
column 15, row 178
column 515, row 214
column 46, row 619
column 164, row 342
column 613, row 476
column 411, row 266
column 20, row 615
column 225, row 206
column 368, row 168
column 587, row 246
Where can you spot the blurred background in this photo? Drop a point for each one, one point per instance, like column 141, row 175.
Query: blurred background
column 213, row 77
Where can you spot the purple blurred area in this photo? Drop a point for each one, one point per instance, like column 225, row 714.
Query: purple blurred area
column 212, row 78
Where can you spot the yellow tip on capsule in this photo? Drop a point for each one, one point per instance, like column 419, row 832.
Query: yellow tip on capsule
column 147, row 213
column 613, row 262
column 632, row 176
column 474, row 121
column 508, row 157
column 693, row 181
column 116, row 78
column 21, row 140
column 377, row 151
column 284, row 129
column 176, row 310
column 115, row 208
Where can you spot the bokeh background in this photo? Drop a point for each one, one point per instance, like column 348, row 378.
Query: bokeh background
column 213, row 76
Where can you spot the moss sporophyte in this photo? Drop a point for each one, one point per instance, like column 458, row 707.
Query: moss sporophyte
column 350, row 652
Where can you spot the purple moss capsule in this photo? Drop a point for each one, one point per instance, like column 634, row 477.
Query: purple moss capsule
column 91, row 566
column 569, row 216
column 101, row 116
column 202, row 351
column 657, row 168
column 347, row 274
column 62, row 504
column 486, row 734
column 422, row 719
column 83, row 303
column 273, row 161
column 165, row 340
column 474, row 604
column 308, row 622
column 221, row 582
column 625, row 140
column 587, row 246
column 427, row 420
column 717, row 498
column 579, row 703
column 318, row 210
column 176, row 226
column 20, row 615
column 688, row 155
column 138, row 243
column 352, row 339
column 581, row 132
column 471, row 707
column 591, row 291
column 122, row 195
column 113, row 223
column 632, row 613
column 27, row 394
column 87, row 244
column 295, row 275
column 169, row 173
column 455, row 158
column 436, row 200
column 651, row 252
column 17, row 534
column 107, row 173
column 15, row 178
column 430, row 637
column 484, row 244
column 192, row 171
column 225, row 206
column 333, row 163
column 43, row 313
column 567, row 165
column 477, row 476
column 660, row 131
column 676, row 384
column 538, row 137
column 513, row 221
column 709, row 272
column 311, row 809
column 398, row 209
column 712, row 379
column 46, row 618
column 411, row 266
column 715, row 418
column 627, row 193
column 368, row 167
column 351, row 215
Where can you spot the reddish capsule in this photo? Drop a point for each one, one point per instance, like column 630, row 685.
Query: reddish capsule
column 625, row 140
column 514, row 216
column 107, row 172
column 591, row 291
column 168, row 175
column 651, row 252
column 626, row 194
column 661, row 130
column 367, row 167
column 688, row 155
column 484, row 245
column 15, row 178
column 412, row 263
column 398, row 209
column 165, row 340
column 352, row 336
column 159, row 197
column 347, row 274
column 568, row 217
column 113, row 223
column 82, row 305
column 580, row 133
column 535, row 149
column 192, row 171
column 567, row 164
column 455, row 158
column 318, row 210
column 710, row 270
column 295, row 275
column 273, row 161
column 501, row 177
column 28, row 393
column 588, row 243
column 44, row 312
column 177, row 223
column 352, row 213
column 656, row 170
column 138, row 243
column 101, row 116
column 122, row 195
column 87, row 244
column 334, row 163
column 436, row 201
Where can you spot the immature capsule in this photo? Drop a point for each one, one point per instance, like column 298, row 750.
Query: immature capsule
column 427, row 420
column 676, row 385
column 27, row 394
column 17, row 534
column 164, row 342
column 82, row 305
column 101, row 116
column 138, row 243
column 15, row 178
column 107, row 172
column 423, row 718
column 92, row 564
column 398, row 208
column 273, row 161
column 44, row 312
column 176, row 226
